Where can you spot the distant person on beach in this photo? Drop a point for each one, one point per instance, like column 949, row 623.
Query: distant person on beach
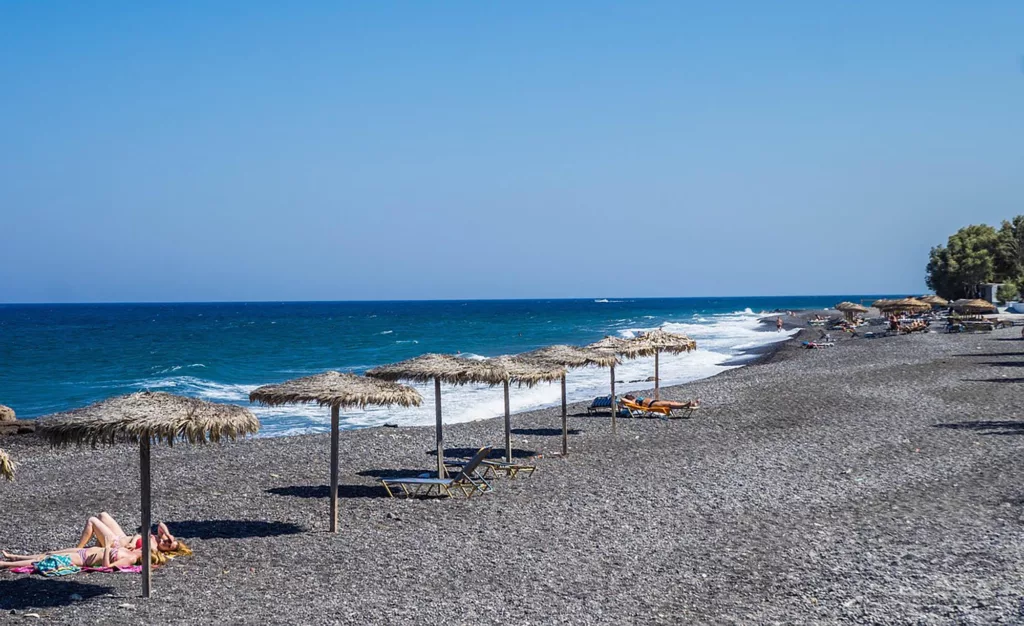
column 778, row 324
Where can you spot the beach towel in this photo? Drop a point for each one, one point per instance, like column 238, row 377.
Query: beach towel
column 133, row 569
column 55, row 565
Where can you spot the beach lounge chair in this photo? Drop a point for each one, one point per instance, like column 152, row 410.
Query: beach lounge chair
column 637, row 410
column 466, row 480
column 496, row 467
column 600, row 403
column 604, row 403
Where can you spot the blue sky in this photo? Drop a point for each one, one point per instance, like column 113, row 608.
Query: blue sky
column 391, row 150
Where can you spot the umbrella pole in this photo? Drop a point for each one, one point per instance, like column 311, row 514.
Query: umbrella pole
column 144, row 479
column 508, row 427
column 439, row 435
column 565, row 424
column 657, row 378
column 334, row 468
column 614, row 403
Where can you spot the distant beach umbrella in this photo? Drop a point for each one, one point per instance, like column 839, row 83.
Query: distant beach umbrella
column 145, row 418
column 6, row 466
column 905, row 304
column 336, row 390
column 441, row 368
column 527, row 373
column 881, row 303
column 7, row 414
column 664, row 341
column 570, row 357
column 625, row 348
column 935, row 301
column 972, row 307
column 850, row 309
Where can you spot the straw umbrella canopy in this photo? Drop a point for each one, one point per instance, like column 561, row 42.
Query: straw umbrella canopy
column 934, row 300
column 144, row 418
column 336, row 390
column 974, row 306
column 441, row 368
column 568, row 357
column 664, row 341
column 6, row 466
column 881, row 303
column 850, row 309
column 906, row 304
column 625, row 348
column 523, row 372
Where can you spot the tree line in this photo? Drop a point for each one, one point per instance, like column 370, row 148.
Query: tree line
column 979, row 254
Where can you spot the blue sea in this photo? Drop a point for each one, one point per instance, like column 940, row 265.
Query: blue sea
column 57, row 357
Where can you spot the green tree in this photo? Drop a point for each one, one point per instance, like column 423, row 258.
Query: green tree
column 1009, row 262
column 968, row 259
column 1007, row 292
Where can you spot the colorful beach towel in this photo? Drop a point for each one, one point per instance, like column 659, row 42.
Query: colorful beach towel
column 133, row 569
column 55, row 565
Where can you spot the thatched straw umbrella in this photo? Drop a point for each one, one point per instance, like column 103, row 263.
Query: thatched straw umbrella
column 935, row 301
column 336, row 390
column 625, row 348
column 7, row 414
column 527, row 373
column 6, row 466
column 569, row 357
column 664, row 341
column 440, row 368
column 906, row 304
column 973, row 307
column 851, row 309
column 144, row 418
column 881, row 303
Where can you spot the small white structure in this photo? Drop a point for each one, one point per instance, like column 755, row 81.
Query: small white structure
column 987, row 291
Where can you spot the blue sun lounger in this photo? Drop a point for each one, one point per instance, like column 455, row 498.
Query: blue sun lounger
column 466, row 480
column 604, row 403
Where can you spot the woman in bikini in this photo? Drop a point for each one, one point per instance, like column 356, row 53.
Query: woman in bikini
column 108, row 532
column 61, row 562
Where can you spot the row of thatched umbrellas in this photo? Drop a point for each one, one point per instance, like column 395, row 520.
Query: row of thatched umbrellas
column 924, row 303
column 145, row 417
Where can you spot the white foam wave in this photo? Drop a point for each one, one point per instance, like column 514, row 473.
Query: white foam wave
column 721, row 340
column 386, row 332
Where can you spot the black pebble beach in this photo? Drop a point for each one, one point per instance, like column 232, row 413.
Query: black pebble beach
column 878, row 481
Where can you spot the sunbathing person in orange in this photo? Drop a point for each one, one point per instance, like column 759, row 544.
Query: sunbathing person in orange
column 651, row 403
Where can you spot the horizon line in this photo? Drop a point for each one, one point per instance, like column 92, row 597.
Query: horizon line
column 405, row 300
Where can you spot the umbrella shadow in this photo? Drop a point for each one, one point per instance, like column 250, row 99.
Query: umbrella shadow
column 496, row 453
column 991, row 354
column 31, row 592
column 393, row 473
column 991, row 427
column 543, row 432
column 1003, row 363
column 324, row 491
column 994, row 380
column 232, row 529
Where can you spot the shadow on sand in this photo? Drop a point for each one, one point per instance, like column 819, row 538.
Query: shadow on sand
column 994, row 380
column 32, row 592
column 324, row 491
column 232, row 529
column 543, row 432
column 988, row 427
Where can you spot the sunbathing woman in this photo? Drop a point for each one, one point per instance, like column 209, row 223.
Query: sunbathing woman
column 107, row 531
column 651, row 403
column 62, row 562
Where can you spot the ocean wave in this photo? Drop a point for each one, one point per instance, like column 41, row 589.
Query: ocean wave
column 385, row 332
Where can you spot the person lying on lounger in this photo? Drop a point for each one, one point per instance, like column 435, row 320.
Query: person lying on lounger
column 651, row 403
column 62, row 562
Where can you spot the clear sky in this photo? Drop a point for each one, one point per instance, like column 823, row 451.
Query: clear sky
column 392, row 150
